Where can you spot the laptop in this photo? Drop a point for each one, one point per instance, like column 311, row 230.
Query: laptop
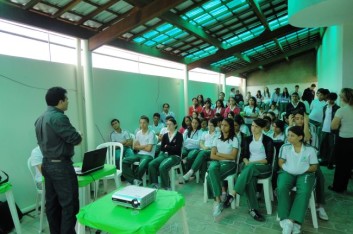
column 92, row 161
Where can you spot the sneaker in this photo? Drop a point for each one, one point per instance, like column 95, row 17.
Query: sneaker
column 217, row 209
column 187, row 175
column 256, row 215
column 296, row 228
column 228, row 201
column 223, row 197
column 322, row 213
column 137, row 182
column 287, row 226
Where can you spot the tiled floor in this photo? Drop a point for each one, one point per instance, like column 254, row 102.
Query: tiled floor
column 339, row 208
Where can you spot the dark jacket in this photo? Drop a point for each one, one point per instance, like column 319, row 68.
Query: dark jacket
column 173, row 147
column 266, row 141
column 335, row 107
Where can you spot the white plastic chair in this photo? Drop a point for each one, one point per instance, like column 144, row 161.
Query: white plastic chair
column 172, row 175
column 111, row 146
column 267, row 188
column 39, row 191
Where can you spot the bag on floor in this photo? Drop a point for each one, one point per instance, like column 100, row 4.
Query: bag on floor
column 6, row 223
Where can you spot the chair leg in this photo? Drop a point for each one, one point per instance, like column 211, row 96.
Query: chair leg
column 313, row 210
column 231, row 188
column 37, row 203
column 105, row 185
column 266, row 188
column 205, row 191
column 117, row 180
column 237, row 200
column 144, row 180
column 42, row 209
column 96, row 188
column 181, row 178
column 197, row 174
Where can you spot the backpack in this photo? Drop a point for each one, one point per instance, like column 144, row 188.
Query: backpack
column 3, row 177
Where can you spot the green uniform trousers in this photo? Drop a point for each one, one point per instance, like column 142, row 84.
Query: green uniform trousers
column 126, row 153
column 247, row 181
column 200, row 162
column 189, row 155
column 217, row 172
column 161, row 165
column 131, row 174
column 304, row 184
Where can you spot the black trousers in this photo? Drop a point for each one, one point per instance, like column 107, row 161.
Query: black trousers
column 61, row 196
column 344, row 163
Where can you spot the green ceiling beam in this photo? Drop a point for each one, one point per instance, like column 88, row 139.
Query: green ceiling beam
column 280, row 48
column 263, row 38
column 258, row 12
column 137, row 17
column 190, row 28
column 273, row 59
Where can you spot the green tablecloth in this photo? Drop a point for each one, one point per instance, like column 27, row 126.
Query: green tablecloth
column 105, row 215
column 89, row 178
column 5, row 187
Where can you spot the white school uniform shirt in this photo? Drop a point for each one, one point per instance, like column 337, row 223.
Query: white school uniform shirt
column 280, row 137
column 156, row 129
column 257, row 150
column 326, row 125
column 37, row 159
column 345, row 113
column 119, row 137
column 208, row 138
column 192, row 142
column 297, row 163
column 249, row 112
column 226, row 147
column 316, row 110
column 147, row 138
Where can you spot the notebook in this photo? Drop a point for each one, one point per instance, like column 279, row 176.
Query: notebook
column 92, row 161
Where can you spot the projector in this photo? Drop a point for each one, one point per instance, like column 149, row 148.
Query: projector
column 134, row 197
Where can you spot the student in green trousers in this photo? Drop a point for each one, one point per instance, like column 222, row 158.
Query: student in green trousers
column 199, row 160
column 257, row 159
column 192, row 136
column 298, row 163
column 223, row 154
column 169, row 156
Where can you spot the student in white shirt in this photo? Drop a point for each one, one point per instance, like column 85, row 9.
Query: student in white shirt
column 123, row 137
column 298, row 163
column 192, row 137
column 223, row 154
column 145, row 144
column 165, row 113
column 199, row 160
column 251, row 111
column 36, row 160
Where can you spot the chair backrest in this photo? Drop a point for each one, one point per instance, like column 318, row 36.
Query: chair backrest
column 32, row 171
column 111, row 147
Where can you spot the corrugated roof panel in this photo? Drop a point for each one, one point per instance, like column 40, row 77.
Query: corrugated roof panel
column 59, row 3
column 211, row 4
column 83, row 8
column 104, row 16
column 121, row 7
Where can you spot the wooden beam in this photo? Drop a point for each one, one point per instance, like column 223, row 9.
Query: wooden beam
column 258, row 12
column 97, row 11
column 281, row 48
column 66, row 8
column 16, row 14
column 261, row 39
column 243, row 57
column 140, row 16
column 273, row 59
column 30, row 4
column 191, row 29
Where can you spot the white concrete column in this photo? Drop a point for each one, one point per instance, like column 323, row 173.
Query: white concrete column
column 88, row 96
column 222, row 78
column 186, row 90
column 80, row 94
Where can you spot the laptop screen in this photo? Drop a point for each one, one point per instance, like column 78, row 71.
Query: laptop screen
column 94, row 159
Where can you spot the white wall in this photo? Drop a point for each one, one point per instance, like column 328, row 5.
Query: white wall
column 20, row 107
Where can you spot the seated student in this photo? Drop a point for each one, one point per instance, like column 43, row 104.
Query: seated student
column 204, row 124
column 196, row 107
column 272, row 116
column 219, row 118
column 169, row 156
column 273, row 109
column 295, row 104
column 36, row 159
column 231, row 115
column 165, row 113
column 278, row 138
column 223, row 154
column 232, row 107
column 267, row 129
column 207, row 111
column 302, row 120
column 257, row 158
column 243, row 127
column 145, row 144
column 298, row 162
column 219, row 108
column 123, row 137
column 191, row 138
column 186, row 123
column 156, row 126
column 251, row 111
column 199, row 161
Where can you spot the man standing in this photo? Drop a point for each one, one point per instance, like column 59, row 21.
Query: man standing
column 309, row 94
column 56, row 138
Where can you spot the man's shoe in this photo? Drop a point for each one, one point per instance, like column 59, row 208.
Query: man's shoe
column 217, row 209
column 256, row 215
column 228, row 201
column 322, row 213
